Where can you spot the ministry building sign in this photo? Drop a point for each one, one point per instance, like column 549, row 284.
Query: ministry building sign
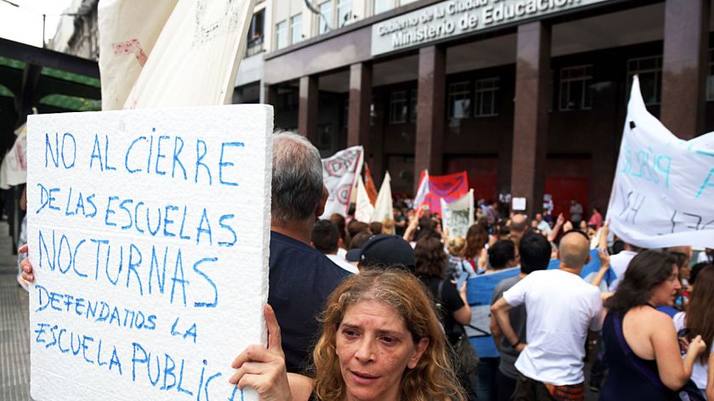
column 457, row 17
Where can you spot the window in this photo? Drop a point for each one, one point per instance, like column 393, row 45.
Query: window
column 649, row 70
column 575, row 92
column 710, row 77
column 296, row 28
column 485, row 97
column 413, row 105
column 344, row 12
column 398, row 107
column 459, row 99
column 325, row 17
column 255, row 34
column 281, row 34
column 381, row 6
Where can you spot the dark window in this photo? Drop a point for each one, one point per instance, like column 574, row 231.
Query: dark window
column 575, row 92
column 486, row 96
column 398, row 107
column 649, row 70
column 459, row 99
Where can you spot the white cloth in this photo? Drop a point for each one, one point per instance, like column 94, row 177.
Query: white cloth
column 699, row 372
column 343, row 263
column 619, row 263
column 561, row 308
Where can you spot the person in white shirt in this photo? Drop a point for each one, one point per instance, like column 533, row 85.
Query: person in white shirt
column 619, row 263
column 561, row 308
column 324, row 238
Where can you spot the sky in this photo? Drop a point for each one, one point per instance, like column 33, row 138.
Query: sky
column 24, row 23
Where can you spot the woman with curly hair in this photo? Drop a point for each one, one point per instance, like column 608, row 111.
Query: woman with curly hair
column 381, row 340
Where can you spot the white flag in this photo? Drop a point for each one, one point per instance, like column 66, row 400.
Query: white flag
column 364, row 208
column 383, row 207
column 339, row 173
column 663, row 191
column 196, row 57
column 458, row 215
column 128, row 30
column 422, row 190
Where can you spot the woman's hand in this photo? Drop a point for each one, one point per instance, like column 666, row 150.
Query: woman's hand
column 696, row 346
column 263, row 369
column 27, row 270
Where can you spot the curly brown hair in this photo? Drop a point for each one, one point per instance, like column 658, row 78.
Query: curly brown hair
column 476, row 239
column 430, row 258
column 432, row 379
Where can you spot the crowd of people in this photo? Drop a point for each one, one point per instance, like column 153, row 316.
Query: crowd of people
column 380, row 311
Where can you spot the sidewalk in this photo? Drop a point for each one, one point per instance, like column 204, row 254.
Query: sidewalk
column 14, row 327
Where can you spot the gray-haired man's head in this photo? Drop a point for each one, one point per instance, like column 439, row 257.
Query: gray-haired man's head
column 297, row 178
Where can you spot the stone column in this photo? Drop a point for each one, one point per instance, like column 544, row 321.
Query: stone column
column 684, row 66
column 307, row 109
column 530, row 124
column 431, row 103
column 359, row 105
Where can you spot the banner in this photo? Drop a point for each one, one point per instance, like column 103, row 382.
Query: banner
column 149, row 234
column 195, row 59
column 13, row 170
column 128, row 30
column 363, row 207
column 479, row 292
column 383, row 209
column 339, row 173
column 369, row 185
column 448, row 187
column 663, row 191
column 422, row 190
column 458, row 215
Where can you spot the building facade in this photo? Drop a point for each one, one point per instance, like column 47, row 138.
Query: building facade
column 528, row 96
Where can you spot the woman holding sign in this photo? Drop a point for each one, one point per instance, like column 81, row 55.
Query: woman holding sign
column 381, row 340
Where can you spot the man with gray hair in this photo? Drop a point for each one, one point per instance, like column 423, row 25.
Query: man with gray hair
column 301, row 277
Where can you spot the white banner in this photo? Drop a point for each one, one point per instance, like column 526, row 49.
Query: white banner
column 128, row 30
column 363, row 208
column 195, row 59
column 663, row 191
column 383, row 208
column 339, row 173
column 148, row 232
column 458, row 215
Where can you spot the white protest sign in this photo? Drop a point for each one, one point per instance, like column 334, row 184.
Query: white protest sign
column 458, row 215
column 663, row 191
column 148, row 233
column 339, row 172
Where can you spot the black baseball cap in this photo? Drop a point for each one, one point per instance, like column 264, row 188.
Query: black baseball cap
column 384, row 250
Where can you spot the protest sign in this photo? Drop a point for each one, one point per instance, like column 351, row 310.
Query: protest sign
column 433, row 188
column 339, row 173
column 663, row 187
column 148, row 232
column 458, row 215
column 479, row 292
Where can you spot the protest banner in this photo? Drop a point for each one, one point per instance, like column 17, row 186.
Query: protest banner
column 339, row 173
column 479, row 292
column 663, row 187
column 195, row 58
column 369, row 185
column 458, row 215
column 384, row 208
column 363, row 207
column 448, row 187
column 148, row 232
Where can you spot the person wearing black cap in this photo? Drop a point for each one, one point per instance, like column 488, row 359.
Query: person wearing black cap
column 383, row 251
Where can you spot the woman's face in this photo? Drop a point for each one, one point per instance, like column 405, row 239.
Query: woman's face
column 375, row 348
column 665, row 292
